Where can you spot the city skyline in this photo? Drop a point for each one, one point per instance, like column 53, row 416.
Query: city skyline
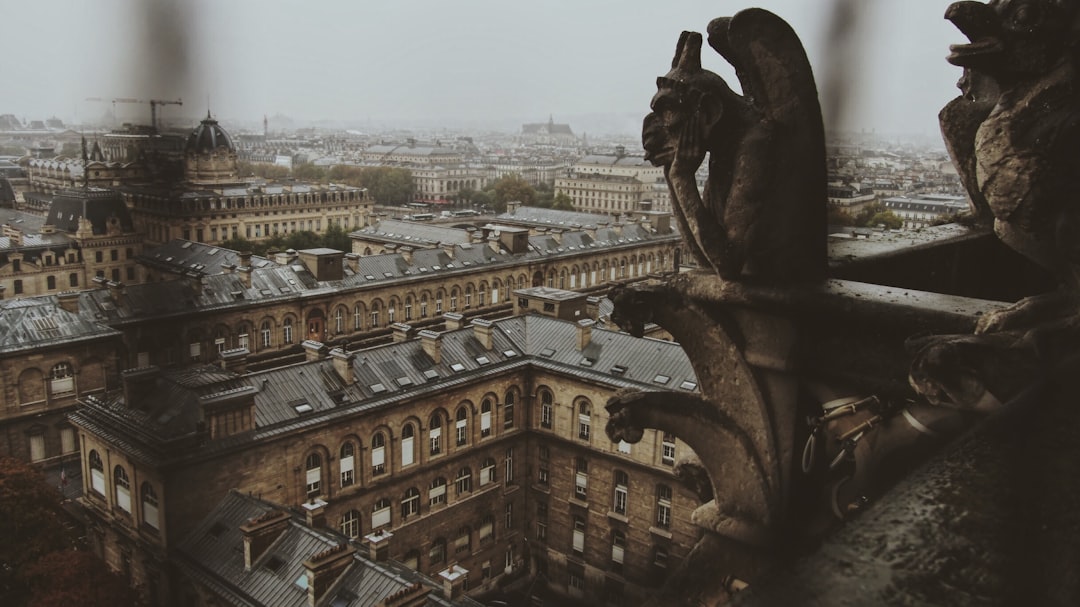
column 472, row 64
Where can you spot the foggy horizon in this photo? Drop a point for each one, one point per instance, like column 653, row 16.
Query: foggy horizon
column 475, row 64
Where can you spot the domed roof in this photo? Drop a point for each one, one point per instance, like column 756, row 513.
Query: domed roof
column 208, row 136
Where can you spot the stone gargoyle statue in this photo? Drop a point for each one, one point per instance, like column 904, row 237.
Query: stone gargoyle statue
column 1014, row 134
column 750, row 222
column 749, row 226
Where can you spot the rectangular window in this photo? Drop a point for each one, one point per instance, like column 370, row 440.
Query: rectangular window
column 667, row 455
column 195, row 350
column 313, row 478
column 663, row 506
column 485, row 423
column 462, row 431
column 67, row 440
column 378, row 460
column 435, row 434
column 37, row 447
column 437, row 494
column 407, row 451
column 508, row 518
column 380, row 517
column 542, row 476
column 584, row 425
column 578, row 542
column 581, row 484
column 545, row 415
column 508, row 472
column 347, row 471
column 97, row 481
column 620, row 499
column 123, row 498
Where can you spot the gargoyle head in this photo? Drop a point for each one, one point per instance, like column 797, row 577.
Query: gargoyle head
column 946, row 372
column 622, row 424
column 631, row 312
column 685, row 90
column 1013, row 39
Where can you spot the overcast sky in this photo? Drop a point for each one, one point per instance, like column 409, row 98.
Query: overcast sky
column 454, row 62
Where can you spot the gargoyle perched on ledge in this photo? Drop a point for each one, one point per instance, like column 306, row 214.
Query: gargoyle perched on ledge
column 1014, row 134
column 763, row 210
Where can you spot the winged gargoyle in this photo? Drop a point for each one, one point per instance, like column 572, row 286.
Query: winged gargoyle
column 762, row 213
column 1015, row 134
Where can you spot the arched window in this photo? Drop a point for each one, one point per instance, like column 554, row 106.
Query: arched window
column 622, row 483
column 287, row 330
column 584, row 420
column 149, row 506
column 380, row 514
column 378, row 454
column 435, row 434
column 264, row 331
column 123, row 489
column 481, row 296
column 545, row 408
column 437, row 553
column 461, row 426
column 61, row 379
column 463, row 539
column 408, row 446
column 463, row 481
column 508, row 410
column 390, row 311
column 485, row 417
column 374, row 315
column 423, row 306
column 437, row 491
column 663, row 506
column 339, row 320
column 410, row 504
column 453, row 299
column 97, row 474
column 313, row 477
column 348, row 463
column 487, row 471
column 350, row 524
column 358, row 317
column 408, row 309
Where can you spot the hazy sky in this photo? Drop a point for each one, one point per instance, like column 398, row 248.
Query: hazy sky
column 426, row 62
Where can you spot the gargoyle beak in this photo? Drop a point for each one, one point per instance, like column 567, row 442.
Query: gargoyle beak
column 981, row 25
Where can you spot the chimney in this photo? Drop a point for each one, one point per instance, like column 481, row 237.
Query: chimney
column 116, row 291
column 590, row 231
column 260, row 532
column 379, row 545
column 245, row 276
column 352, row 261
column 432, row 344
column 402, row 332
column 454, row 321
column 325, row 568
column 415, row 595
column 406, row 254
column 315, row 513
column 343, row 364
column 245, row 259
column 234, row 360
column 314, row 350
column 453, row 580
column 556, row 235
column 592, row 307
column 512, row 207
column 284, row 257
column 493, row 243
column 139, row 385
column 448, row 248
column 482, row 331
column 228, row 268
column 584, row 333
column 229, row 412
column 69, row 301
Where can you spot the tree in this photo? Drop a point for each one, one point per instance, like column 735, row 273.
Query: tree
column 562, row 202
column 512, row 188
column 70, row 577
column 307, row 171
column 337, row 238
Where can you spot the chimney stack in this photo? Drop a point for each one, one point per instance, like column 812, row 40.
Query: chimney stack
column 493, row 243
column 245, row 259
column 448, row 248
column 228, row 412
column 453, row 579
column 402, row 332
column 512, row 207
column 432, row 344
column 584, row 333
column 245, row 276
column 69, row 301
column 315, row 513
column 139, row 385
column 260, row 532
column 314, row 350
column 116, row 291
column 352, row 261
column 343, row 364
column 234, row 360
column 454, row 321
column 324, row 568
column 406, row 254
column 482, row 330
column 379, row 545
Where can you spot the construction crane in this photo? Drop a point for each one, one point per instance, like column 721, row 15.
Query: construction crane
column 154, row 103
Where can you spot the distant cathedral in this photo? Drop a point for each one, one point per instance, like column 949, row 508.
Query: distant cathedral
column 548, row 133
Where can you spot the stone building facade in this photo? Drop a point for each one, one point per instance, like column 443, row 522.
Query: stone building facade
column 480, row 448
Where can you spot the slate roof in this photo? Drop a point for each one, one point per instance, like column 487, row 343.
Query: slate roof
column 40, row 322
column 97, row 205
column 410, row 232
column 192, row 258
column 383, row 377
column 213, row 555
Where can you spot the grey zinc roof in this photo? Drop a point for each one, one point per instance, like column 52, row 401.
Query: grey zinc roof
column 552, row 217
column 410, row 232
column 40, row 322
column 185, row 256
column 213, row 554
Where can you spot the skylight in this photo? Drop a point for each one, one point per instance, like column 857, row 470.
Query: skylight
column 509, row 353
column 661, row 379
column 274, row 563
column 457, row 367
column 618, row 369
column 483, row 360
column 378, row 388
column 404, row 381
column 688, row 385
column 547, row 352
column 431, row 374
column 302, row 408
